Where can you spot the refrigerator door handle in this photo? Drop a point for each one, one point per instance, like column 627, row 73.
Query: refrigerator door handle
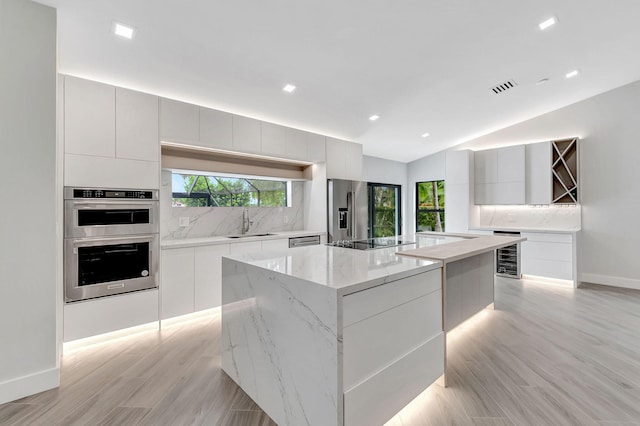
column 349, row 213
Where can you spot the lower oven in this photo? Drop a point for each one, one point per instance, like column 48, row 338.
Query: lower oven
column 97, row 267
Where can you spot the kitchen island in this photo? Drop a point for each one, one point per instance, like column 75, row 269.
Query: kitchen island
column 333, row 336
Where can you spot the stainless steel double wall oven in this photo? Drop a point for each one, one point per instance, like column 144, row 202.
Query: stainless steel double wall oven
column 111, row 242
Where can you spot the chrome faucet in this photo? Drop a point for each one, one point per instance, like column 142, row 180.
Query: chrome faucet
column 246, row 223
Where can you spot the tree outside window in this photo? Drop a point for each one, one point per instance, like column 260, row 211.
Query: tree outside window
column 430, row 206
column 216, row 191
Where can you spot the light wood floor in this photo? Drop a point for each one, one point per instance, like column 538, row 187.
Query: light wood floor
column 546, row 356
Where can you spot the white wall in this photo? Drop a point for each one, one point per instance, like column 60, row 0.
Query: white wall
column 379, row 170
column 609, row 129
column 28, row 251
column 425, row 169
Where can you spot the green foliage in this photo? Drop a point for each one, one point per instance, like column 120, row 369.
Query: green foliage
column 384, row 211
column 231, row 192
column 430, row 208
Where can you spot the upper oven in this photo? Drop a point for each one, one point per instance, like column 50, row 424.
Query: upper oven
column 93, row 212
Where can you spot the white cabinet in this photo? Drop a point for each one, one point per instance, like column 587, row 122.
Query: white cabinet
column 216, row 129
column 177, row 283
column 458, row 172
column 393, row 346
column 136, row 125
column 296, row 144
column 246, row 134
column 110, row 136
column 316, row 148
column 90, row 122
column 274, row 139
column 179, row 121
column 208, row 276
column 275, row 245
column 549, row 255
column 538, row 173
column 499, row 175
column 246, row 247
column 344, row 159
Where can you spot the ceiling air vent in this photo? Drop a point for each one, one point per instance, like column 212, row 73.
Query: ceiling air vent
column 503, row 87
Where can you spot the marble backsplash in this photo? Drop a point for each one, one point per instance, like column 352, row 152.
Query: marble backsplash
column 559, row 217
column 215, row 221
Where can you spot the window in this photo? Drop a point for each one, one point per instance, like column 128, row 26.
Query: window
column 218, row 191
column 430, row 206
column 384, row 210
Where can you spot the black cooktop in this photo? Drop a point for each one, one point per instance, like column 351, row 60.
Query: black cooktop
column 371, row 243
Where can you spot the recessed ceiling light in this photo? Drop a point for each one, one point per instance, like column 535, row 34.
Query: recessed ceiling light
column 122, row 30
column 548, row 23
column 572, row 74
column 425, row 135
column 289, row 88
column 374, row 117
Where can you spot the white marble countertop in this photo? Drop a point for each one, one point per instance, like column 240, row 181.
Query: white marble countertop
column 221, row 239
column 348, row 270
column 517, row 229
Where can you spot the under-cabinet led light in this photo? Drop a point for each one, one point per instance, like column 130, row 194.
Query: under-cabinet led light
column 374, row 117
column 289, row 88
column 122, row 30
column 548, row 23
column 572, row 74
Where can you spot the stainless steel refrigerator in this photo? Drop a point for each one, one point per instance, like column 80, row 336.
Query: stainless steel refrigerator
column 348, row 210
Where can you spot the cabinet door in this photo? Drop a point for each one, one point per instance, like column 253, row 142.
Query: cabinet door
column 176, row 285
column 511, row 164
column 136, row 125
column 296, row 144
column 216, row 128
column 486, row 166
column 89, row 118
column 538, row 173
column 179, row 121
column 336, row 158
column 275, row 245
column 274, row 139
column 316, row 148
column 353, row 159
column 246, row 247
column 246, row 134
column 208, row 276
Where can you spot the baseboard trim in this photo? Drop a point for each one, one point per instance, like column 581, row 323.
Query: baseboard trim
column 20, row 387
column 610, row 281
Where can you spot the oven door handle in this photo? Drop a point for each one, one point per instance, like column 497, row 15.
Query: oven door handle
column 112, row 240
column 124, row 206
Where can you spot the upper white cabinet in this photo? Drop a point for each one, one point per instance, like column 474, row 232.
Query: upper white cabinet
column 344, row 159
column 136, row 125
column 246, row 134
column 500, row 175
column 274, row 139
column 179, row 121
column 110, row 136
column 89, row 111
column 216, row 128
column 296, row 144
column 316, row 148
column 538, row 173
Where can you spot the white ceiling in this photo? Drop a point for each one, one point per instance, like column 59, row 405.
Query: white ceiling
column 422, row 65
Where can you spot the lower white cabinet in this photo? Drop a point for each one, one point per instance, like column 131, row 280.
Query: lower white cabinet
column 192, row 276
column 550, row 255
column 177, row 283
column 208, row 276
column 393, row 346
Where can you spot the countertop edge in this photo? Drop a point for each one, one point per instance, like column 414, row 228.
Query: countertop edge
column 217, row 240
column 532, row 230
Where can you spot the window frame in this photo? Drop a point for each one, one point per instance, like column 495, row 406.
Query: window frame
column 370, row 189
column 435, row 210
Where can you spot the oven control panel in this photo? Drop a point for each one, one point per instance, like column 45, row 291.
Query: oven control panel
column 113, row 194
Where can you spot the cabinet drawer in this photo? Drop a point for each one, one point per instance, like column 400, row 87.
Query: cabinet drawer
column 548, row 268
column 376, row 400
column 378, row 341
column 549, row 251
column 366, row 303
column 550, row 238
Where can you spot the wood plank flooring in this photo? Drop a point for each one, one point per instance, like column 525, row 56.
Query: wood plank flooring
column 547, row 355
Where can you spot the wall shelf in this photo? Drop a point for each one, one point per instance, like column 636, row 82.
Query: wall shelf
column 564, row 170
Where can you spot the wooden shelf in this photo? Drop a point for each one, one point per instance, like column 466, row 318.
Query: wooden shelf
column 564, row 170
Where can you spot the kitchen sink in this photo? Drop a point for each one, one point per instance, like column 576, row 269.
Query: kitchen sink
column 249, row 235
